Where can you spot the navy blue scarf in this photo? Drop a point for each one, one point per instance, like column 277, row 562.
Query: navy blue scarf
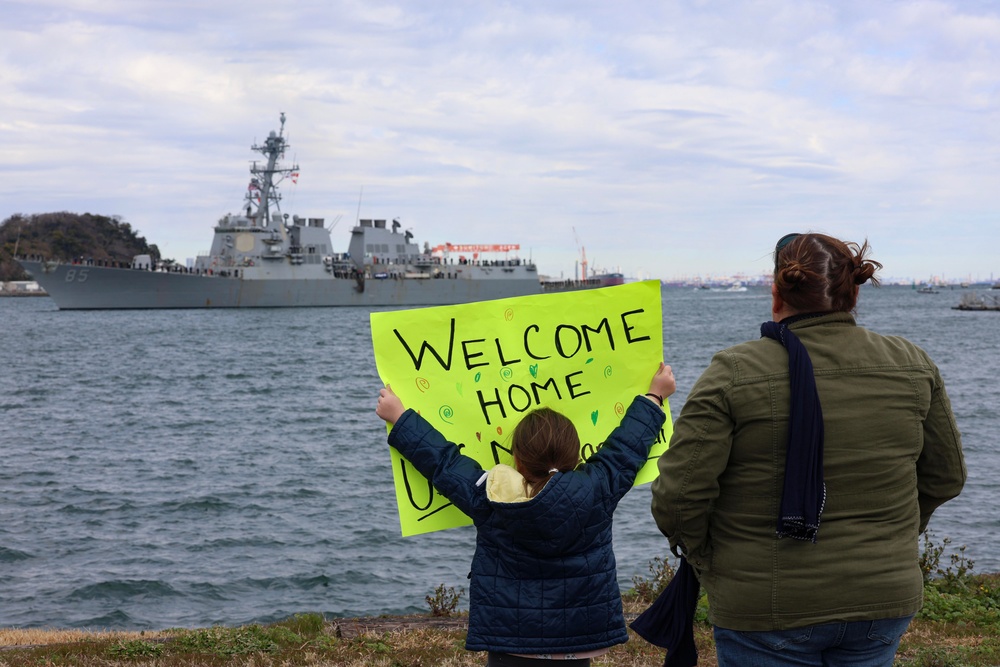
column 669, row 621
column 804, row 492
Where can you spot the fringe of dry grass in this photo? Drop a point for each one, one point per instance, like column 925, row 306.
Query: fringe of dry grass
column 414, row 641
column 41, row 637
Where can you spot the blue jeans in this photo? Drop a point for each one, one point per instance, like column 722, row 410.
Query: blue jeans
column 856, row 644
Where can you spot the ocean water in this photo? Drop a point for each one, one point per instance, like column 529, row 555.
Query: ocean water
column 188, row 468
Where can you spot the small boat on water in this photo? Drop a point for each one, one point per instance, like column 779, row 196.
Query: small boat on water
column 735, row 287
column 264, row 258
column 927, row 289
column 21, row 288
column 972, row 301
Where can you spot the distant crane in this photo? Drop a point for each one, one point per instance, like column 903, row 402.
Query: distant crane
column 583, row 255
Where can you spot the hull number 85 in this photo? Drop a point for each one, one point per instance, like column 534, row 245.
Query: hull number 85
column 76, row 275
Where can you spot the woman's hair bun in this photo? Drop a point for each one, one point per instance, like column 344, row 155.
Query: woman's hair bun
column 793, row 274
column 864, row 270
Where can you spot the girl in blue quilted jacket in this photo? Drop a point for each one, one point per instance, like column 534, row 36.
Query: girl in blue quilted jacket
column 543, row 581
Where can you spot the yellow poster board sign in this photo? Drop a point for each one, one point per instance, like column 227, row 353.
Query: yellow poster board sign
column 473, row 370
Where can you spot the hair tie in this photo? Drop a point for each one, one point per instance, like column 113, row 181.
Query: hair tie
column 861, row 274
column 553, row 471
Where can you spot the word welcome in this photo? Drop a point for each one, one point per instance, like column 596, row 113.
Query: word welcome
column 566, row 341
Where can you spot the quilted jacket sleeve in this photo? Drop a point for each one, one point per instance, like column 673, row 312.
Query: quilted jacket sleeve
column 626, row 449
column 453, row 474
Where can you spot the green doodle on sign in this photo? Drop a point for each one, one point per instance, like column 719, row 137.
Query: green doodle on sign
column 533, row 369
column 589, row 360
column 593, row 417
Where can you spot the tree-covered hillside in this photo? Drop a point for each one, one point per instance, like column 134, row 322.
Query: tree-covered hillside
column 67, row 236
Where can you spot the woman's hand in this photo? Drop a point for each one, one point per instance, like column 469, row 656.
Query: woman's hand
column 663, row 383
column 389, row 407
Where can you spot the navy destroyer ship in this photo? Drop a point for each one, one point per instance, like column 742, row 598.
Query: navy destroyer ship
column 263, row 258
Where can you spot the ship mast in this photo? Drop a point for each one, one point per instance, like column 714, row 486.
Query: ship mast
column 263, row 189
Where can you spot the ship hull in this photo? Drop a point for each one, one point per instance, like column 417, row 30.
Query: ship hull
column 85, row 287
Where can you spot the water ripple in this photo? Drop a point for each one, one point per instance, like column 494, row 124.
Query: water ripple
column 13, row 555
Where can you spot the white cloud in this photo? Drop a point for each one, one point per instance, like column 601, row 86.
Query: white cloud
column 684, row 136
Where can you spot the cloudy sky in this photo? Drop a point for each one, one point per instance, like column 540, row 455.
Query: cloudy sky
column 665, row 138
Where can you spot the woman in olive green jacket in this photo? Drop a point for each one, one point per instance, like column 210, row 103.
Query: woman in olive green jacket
column 797, row 494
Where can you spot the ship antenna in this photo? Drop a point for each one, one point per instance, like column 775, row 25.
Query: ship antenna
column 273, row 149
column 358, row 220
